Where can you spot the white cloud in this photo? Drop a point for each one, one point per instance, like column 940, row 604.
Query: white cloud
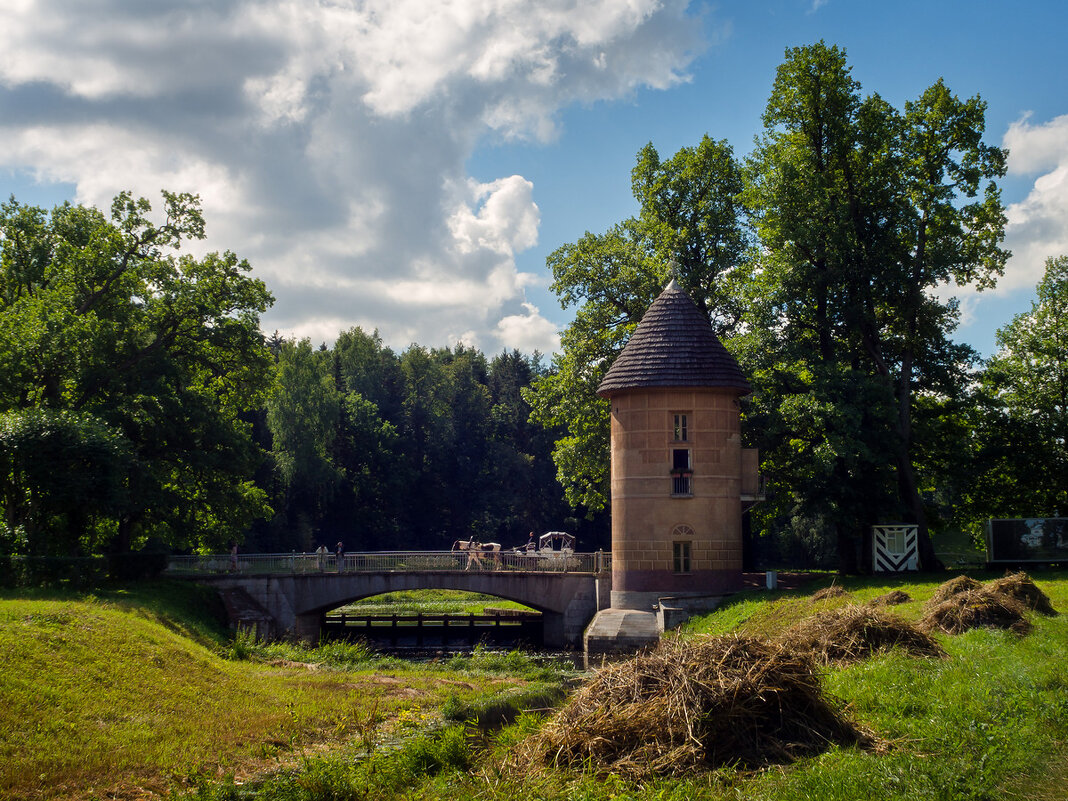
column 528, row 332
column 328, row 140
column 507, row 221
column 1038, row 225
column 1034, row 148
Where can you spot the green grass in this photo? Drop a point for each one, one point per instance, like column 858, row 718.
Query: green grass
column 761, row 613
column 102, row 695
column 433, row 602
column 988, row 722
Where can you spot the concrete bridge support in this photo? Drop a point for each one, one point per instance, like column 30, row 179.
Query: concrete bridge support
column 295, row 604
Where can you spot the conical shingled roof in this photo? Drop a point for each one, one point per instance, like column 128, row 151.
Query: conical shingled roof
column 673, row 346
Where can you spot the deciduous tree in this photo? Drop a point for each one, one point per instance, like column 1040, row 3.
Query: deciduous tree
column 689, row 215
column 105, row 318
column 864, row 212
column 1019, row 420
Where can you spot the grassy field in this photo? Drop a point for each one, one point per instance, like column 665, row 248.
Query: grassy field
column 136, row 693
column 430, row 602
column 126, row 696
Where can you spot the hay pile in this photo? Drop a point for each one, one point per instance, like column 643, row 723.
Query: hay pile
column 954, row 586
column 1023, row 589
column 974, row 608
column 963, row 603
column 698, row 704
column 834, row 591
column 892, row 598
column 855, row 632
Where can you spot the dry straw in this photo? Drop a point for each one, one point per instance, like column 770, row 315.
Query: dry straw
column 892, row 598
column 711, row 702
column 970, row 609
column 963, row 603
column 834, row 591
column 697, row 704
column 1023, row 589
column 856, row 632
column 954, row 586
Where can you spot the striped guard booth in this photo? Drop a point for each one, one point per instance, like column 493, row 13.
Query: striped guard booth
column 894, row 548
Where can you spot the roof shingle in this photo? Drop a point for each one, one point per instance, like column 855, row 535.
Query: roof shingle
column 673, row 346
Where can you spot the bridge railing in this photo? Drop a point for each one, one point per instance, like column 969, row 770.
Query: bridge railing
column 398, row 561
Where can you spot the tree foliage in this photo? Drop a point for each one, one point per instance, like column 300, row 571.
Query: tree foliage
column 689, row 216
column 381, row 450
column 863, row 212
column 1017, row 422
column 104, row 327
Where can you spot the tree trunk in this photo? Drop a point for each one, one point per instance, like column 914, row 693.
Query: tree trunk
column 847, row 552
column 910, row 497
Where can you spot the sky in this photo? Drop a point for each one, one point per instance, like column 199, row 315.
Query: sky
column 406, row 166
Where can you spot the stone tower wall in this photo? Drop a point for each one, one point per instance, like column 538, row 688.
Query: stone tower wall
column 647, row 519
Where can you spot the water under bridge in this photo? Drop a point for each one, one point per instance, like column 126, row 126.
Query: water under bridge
column 289, row 595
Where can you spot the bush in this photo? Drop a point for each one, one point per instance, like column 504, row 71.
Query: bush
column 52, row 571
column 79, row 572
column 136, row 565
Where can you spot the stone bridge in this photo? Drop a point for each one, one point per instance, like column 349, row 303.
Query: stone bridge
column 293, row 605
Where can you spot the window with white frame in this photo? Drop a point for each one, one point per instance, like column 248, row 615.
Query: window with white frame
column 682, row 549
column 680, row 427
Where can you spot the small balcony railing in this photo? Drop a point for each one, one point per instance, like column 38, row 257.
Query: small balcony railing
column 682, row 483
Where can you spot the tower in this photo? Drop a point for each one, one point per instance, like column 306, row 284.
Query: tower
column 680, row 478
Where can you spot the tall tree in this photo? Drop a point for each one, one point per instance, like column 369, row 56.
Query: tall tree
column 689, row 215
column 61, row 474
column 1020, row 415
column 864, row 213
column 104, row 318
column 302, row 414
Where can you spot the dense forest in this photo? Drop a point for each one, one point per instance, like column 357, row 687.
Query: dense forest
column 141, row 405
column 387, row 451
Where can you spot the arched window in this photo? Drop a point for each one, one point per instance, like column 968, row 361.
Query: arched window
column 681, row 548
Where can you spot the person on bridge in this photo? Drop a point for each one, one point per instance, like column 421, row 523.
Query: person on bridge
column 532, row 544
column 340, row 556
column 233, row 558
column 321, row 552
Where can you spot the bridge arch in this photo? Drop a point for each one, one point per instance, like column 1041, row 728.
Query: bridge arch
column 296, row 603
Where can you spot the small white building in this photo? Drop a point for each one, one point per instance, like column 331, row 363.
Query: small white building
column 895, row 548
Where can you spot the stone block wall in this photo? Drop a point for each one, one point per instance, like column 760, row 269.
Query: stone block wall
column 648, row 517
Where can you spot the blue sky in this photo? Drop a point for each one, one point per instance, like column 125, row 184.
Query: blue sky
column 408, row 166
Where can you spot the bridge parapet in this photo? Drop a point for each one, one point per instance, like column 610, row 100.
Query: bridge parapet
column 403, row 561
